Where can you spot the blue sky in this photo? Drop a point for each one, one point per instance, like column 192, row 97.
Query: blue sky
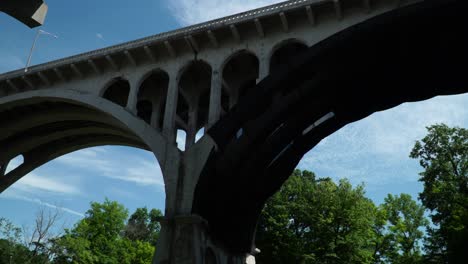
column 373, row 151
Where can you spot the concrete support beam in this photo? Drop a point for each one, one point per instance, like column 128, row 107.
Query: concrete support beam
column 12, row 86
column 367, row 5
column 28, row 82
column 77, row 71
column 338, row 9
column 94, row 66
column 171, row 109
column 259, row 27
column 264, row 68
column 111, row 62
column 192, row 126
column 212, row 38
column 310, row 15
column 149, row 53
column 130, row 58
column 60, row 74
column 284, row 22
column 132, row 97
column 44, row 78
column 192, row 43
column 235, row 33
column 215, row 98
column 169, row 48
column 155, row 116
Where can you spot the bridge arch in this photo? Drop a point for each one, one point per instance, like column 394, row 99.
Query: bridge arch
column 405, row 55
column 117, row 91
column 239, row 69
column 54, row 123
column 194, row 85
column 283, row 51
column 151, row 97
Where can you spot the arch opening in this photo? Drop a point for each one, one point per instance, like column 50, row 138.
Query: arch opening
column 145, row 110
column 285, row 53
column 46, row 128
column 240, row 71
column 153, row 90
column 118, row 92
column 194, row 86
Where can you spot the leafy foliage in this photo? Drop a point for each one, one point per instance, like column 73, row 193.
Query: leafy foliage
column 143, row 225
column 443, row 154
column 316, row 221
column 98, row 238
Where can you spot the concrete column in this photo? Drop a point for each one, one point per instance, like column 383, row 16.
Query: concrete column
column 155, row 115
column 133, row 96
column 215, row 97
column 264, row 68
column 192, row 127
column 171, row 109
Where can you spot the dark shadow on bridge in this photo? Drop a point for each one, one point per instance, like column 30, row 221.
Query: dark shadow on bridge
column 407, row 55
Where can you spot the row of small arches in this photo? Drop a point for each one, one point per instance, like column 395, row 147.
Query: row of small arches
column 194, row 85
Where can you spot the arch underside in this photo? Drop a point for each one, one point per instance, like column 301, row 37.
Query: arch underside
column 42, row 128
column 410, row 54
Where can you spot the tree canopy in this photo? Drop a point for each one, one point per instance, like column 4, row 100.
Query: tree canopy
column 443, row 154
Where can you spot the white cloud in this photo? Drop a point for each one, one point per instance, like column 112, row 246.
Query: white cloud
column 99, row 36
column 136, row 169
column 32, row 183
column 376, row 149
column 142, row 173
column 188, row 12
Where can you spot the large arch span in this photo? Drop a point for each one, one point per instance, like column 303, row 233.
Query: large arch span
column 410, row 54
column 45, row 124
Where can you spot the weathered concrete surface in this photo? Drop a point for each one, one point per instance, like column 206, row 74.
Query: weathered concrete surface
column 143, row 92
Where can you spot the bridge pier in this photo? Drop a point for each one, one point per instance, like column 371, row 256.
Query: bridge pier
column 185, row 240
column 184, row 236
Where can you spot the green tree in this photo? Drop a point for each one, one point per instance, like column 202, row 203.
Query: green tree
column 443, row 154
column 405, row 221
column 143, row 225
column 98, row 238
column 316, row 221
column 13, row 250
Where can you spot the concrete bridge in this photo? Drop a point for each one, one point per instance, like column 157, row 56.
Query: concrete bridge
column 263, row 86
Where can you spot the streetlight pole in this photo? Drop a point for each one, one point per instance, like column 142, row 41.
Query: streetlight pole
column 39, row 32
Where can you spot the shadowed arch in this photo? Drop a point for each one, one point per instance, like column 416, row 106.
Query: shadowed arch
column 283, row 53
column 53, row 123
column 194, row 85
column 117, row 91
column 240, row 69
column 151, row 97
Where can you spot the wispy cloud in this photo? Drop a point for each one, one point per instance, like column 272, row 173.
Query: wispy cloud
column 142, row 171
column 99, row 36
column 376, row 149
column 14, row 196
column 32, row 183
column 188, row 12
